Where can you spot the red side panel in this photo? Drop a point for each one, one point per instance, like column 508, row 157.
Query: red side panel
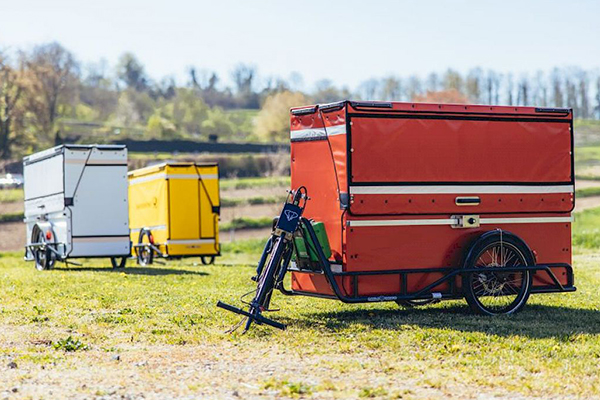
column 318, row 153
column 444, row 150
column 374, row 248
column 414, row 161
column 415, row 164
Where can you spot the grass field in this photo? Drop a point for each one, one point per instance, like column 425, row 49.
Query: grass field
column 90, row 331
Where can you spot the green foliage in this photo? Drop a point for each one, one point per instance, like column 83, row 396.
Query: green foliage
column 587, row 192
column 287, row 388
column 256, row 200
column 247, row 223
column 249, row 246
column 586, row 228
column 11, row 195
column 248, row 183
column 12, row 217
column 69, row 345
column 273, row 120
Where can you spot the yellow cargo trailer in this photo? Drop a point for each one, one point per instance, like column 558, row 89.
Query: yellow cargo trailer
column 174, row 211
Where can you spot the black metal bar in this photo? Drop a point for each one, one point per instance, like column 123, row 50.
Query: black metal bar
column 256, row 317
column 423, row 293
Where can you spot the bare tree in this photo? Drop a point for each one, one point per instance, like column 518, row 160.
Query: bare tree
column 597, row 98
column 523, row 91
column 433, row 82
column 572, row 96
column 52, row 72
column 509, row 90
column 391, row 89
column 473, row 85
column 584, row 108
column 414, row 88
column 557, row 93
column 368, row 89
column 453, row 80
column 11, row 89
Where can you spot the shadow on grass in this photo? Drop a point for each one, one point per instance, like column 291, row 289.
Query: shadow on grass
column 136, row 270
column 535, row 321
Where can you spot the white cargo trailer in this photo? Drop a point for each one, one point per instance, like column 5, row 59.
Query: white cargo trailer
column 76, row 204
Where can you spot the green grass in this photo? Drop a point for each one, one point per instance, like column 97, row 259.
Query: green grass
column 249, row 183
column 586, row 228
column 11, row 195
column 247, row 223
column 255, row 200
column 587, row 192
column 12, row 217
column 551, row 349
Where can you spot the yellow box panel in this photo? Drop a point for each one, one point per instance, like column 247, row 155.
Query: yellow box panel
column 180, row 204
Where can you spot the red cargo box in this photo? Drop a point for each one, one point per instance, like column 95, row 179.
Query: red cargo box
column 405, row 187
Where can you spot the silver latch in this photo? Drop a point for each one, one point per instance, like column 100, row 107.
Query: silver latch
column 466, row 221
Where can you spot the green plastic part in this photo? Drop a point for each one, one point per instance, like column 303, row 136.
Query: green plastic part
column 306, row 249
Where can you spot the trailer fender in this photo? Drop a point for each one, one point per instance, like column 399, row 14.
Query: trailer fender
column 46, row 228
column 498, row 233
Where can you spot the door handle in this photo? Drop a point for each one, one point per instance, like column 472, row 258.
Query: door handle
column 467, row 201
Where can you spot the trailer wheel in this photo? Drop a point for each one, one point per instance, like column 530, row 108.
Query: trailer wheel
column 495, row 293
column 43, row 256
column 416, row 303
column 145, row 254
column 118, row 262
column 207, row 260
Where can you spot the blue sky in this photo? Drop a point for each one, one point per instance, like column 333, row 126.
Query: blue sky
column 345, row 41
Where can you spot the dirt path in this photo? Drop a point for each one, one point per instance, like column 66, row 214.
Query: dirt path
column 209, row 371
column 585, row 203
column 250, row 211
column 583, row 184
column 12, row 236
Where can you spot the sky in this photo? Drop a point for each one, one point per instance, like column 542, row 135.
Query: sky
column 346, row 41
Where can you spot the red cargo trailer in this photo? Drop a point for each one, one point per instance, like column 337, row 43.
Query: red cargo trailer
column 411, row 193
column 424, row 202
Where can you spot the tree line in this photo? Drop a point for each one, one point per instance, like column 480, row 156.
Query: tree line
column 46, row 95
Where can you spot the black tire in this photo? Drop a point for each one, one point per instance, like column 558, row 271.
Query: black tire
column 207, row 260
column 496, row 293
column 145, row 254
column 43, row 256
column 416, row 303
column 118, row 262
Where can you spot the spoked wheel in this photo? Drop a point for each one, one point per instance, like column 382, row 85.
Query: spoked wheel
column 416, row 303
column 44, row 257
column 118, row 262
column 494, row 293
column 207, row 260
column 145, row 254
column 267, row 279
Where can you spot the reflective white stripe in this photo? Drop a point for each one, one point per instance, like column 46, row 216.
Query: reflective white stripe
column 453, row 221
column 151, row 228
column 525, row 220
column 172, row 176
column 314, row 133
column 111, row 239
column 404, row 222
column 461, row 189
column 94, row 162
column 193, row 241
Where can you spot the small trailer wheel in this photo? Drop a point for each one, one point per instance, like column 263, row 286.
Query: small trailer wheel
column 207, row 260
column 118, row 262
column 495, row 293
column 43, row 256
column 145, row 254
